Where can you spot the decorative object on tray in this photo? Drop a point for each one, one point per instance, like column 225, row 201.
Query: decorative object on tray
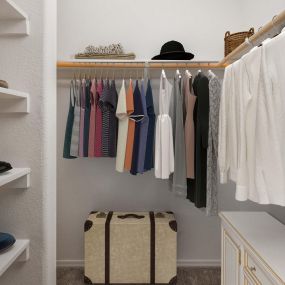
column 6, row 241
column 232, row 41
column 4, row 84
column 5, row 166
column 113, row 51
column 173, row 50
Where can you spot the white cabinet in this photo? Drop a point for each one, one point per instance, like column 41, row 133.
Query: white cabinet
column 231, row 260
column 252, row 247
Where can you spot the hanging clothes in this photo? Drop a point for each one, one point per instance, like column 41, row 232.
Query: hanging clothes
column 131, row 128
column 190, row 100
column 178, row 179
column 230, row 123
column 69, row 123
column 98, row 121
column 74, row 148
column 82, row 117
column 143, row 132
column 212, row 151
column 164, row 152
column 91, row 145
column 251, row 125
column 122, row 115
column 246, row 185
column 149, row 154
column 112, row 101
column 190, row 111
column 108, row 105
column 201, row 89
column 105, row 119
column 270, row 127
column 87, row 117
column 137, row 116
column 223, row 149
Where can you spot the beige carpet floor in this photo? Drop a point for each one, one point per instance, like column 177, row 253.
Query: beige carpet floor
column 186, row 276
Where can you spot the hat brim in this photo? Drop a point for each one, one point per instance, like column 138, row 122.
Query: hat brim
column 174, row 56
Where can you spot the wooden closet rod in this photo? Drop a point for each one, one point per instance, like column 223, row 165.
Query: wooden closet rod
column 269, row 30
column 129, row 64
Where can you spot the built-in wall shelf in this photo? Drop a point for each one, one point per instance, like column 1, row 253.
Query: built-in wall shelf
column 18, row 252
column 16, row 178
column 13, row 20
column 13, row 101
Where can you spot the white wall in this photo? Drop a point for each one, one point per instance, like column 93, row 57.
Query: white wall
column 28, row 64
column 143, row 26
column 257, row 13
column 86, row 184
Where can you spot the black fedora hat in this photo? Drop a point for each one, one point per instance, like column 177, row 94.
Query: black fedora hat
column 173, row 50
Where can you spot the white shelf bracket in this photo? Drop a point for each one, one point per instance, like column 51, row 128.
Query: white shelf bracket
column 25, row 256
column 20, row 183
column 13, row 20
column 13, row 101
column 19, row 252
column 19, row 178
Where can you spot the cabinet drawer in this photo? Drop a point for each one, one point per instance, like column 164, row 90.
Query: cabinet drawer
column 259, row 271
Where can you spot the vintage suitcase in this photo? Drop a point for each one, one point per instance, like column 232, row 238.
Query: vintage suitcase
column 130, row 248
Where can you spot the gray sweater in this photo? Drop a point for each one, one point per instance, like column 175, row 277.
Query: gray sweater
column 212, row 152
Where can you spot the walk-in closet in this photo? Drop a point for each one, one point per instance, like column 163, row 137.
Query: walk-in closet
column 142, row 142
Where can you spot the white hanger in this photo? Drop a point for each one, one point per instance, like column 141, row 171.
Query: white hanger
column 199, row 71
column 178, row 73
column 163, row 73
column 211, row 73
column 187, row 72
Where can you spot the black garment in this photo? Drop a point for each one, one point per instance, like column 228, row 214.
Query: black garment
column 201, row 122
column 69, row 124
column 149, row 154
column 112, row 101
column 87, row 117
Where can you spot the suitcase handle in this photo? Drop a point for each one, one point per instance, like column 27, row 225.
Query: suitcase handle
column 135, row 216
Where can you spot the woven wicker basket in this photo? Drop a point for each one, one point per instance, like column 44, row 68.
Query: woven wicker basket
column 232, row 41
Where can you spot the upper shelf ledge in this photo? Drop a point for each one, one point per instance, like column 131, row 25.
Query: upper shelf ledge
column 13, row 101
column 13, row 20
column 16, row 178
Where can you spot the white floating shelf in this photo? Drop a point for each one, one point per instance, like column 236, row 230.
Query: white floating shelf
column 13, row 101
column 15, row 178
column 18, row 252
column 13, row 20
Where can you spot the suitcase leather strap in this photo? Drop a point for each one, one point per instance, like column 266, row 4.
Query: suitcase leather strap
column 107, row 248
column 152, row 248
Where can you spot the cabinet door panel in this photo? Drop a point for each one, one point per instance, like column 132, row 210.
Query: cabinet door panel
column 248, row 280
column 230, row 261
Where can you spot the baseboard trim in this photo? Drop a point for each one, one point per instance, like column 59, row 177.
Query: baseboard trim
column 180, row 263
column 198, row 263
